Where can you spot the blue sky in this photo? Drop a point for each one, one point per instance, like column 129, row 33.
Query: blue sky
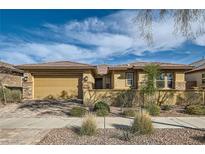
column 89, row 36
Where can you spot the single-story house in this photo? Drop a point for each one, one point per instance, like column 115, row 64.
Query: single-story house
column 10, row 77
column 42, row 80
column 196, row 76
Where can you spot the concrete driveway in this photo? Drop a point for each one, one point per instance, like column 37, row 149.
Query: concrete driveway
column 21, row 136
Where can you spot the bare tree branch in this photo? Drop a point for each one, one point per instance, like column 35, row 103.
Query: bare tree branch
column 185, row 22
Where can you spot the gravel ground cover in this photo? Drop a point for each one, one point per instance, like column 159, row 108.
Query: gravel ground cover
column 176, row 111
column 114, row 137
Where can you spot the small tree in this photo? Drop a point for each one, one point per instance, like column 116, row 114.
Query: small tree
column 2, row 80
column 149, row 86
column 126, row 98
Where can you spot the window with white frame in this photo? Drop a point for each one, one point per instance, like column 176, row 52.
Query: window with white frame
column 165, row 80
column 203, row 78
column 130, row 78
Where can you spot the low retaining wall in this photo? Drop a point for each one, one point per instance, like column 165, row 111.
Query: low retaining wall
column 171, row 97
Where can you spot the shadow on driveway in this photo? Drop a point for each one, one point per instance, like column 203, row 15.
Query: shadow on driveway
column 51, row 107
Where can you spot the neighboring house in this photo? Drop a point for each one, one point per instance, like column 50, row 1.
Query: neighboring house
column 42, row 80
column 10, row 77
column 196, row 77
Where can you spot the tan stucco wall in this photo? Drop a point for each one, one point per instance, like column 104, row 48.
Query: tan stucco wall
column 179, row 76
column 180, row 82
column 141, row 78
column 110, row 95
column 195, row 76
column 119, row 80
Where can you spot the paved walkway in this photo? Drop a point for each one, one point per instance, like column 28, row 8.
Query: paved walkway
column 110, row 122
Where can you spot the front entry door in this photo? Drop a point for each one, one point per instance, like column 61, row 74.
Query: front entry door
column 98, row 83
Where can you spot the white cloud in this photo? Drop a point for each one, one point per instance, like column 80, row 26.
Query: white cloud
column 93, row 39
column 200, row 40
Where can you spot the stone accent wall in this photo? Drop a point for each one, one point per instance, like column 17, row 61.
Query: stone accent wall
column 28, row 87
column 180, row 85
column 88, row 80
column 27, row 90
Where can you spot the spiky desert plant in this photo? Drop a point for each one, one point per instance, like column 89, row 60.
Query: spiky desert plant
column 89, row 125
column 142, row 124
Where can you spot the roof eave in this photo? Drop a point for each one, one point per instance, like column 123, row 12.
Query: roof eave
column 193, row 71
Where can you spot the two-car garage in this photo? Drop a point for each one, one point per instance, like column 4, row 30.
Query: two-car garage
column 54, row 85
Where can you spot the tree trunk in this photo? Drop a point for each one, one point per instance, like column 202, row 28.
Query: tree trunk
column 5, row 101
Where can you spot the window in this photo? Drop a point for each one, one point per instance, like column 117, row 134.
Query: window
column 170, row 78
column 98, row 83
column 108, row 82
column 165, row 80
column 130, row 79
column 203, row 78
column 160, row 82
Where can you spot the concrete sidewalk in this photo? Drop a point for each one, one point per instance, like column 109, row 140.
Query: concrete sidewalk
column 110, row 122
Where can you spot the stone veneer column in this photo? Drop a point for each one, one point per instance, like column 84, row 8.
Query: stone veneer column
column 87, row 84
column 27, row 86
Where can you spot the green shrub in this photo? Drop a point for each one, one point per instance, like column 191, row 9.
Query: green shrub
column 125, row 98
column 126, row 135
column 195, row 109
column 166, row 107
column 78, row 111
column 101, row 106
column 153, row 109
column 102, row 113
column 142, row 124
column 129, row 113
column 89, row 126
column 190, row 98
column 15, row 95
column 11, row 95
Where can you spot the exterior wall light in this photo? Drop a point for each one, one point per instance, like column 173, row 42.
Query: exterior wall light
column 85, row 78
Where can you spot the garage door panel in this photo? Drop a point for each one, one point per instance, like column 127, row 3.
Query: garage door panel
column 54, row 85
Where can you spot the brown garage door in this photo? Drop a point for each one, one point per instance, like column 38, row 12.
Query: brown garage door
column 54, row 85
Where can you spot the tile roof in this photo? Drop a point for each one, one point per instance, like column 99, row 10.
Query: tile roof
column 199, row 68
column 75, row 65
column 140, row 65
column 199, row 62
column 56, row 65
